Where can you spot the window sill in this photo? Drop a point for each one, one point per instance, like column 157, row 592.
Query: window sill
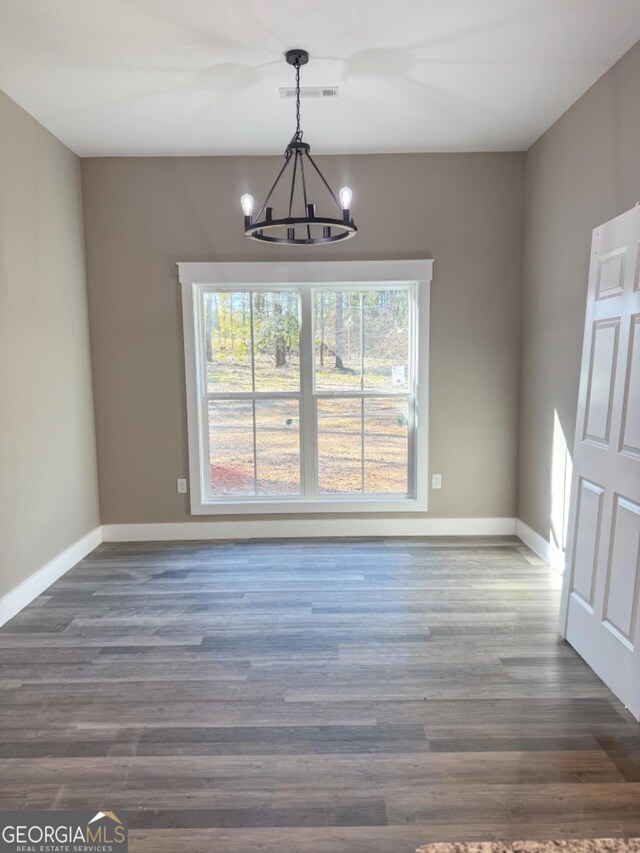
column 296, row 506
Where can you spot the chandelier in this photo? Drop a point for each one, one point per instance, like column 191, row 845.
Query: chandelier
column 312, row 228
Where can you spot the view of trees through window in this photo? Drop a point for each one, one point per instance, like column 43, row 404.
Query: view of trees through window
column 254, row 390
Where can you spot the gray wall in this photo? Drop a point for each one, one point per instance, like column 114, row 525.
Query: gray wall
column 144, row 214
column 583, row 171
column 48, row 482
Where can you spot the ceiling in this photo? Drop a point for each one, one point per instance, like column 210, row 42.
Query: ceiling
column 188, row 77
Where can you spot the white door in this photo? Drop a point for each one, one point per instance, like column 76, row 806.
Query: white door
column 600, row 613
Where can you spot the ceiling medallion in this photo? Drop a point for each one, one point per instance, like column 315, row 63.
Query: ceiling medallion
column 312, row 228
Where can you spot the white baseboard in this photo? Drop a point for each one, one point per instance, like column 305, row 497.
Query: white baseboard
column 556, row 558
column 270, row 528
column 537, row 543
column 13, row 602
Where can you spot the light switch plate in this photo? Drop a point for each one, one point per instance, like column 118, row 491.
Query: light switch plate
column 182, row 487
column 436, row 481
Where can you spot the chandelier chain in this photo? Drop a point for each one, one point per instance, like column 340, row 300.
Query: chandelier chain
column 297, row 67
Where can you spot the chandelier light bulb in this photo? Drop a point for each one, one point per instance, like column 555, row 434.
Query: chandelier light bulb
column 345, row 198
column 247, row 204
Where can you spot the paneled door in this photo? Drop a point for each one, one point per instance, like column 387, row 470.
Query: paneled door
column 600, row 612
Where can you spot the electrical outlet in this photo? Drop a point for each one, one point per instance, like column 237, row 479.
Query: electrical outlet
column 182, row 487
column 436, row 481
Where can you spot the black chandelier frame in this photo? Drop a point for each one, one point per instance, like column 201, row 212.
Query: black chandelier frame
column 297, row 153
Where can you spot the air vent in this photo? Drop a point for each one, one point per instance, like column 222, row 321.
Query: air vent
column 309, row 92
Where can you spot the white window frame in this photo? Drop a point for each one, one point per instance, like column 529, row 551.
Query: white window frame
column 414, row 274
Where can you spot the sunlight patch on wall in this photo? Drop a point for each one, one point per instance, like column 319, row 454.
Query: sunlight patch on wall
column 561, row 473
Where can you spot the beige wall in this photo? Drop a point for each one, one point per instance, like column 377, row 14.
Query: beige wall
column 142, row 215
column 48, row 483
column 580, row 173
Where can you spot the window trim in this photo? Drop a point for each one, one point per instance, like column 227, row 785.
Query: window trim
column 196, row 277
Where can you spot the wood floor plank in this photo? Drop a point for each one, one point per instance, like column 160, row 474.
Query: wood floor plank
column 389, row 839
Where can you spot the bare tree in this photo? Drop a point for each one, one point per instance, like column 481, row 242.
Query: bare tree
column 280, row 338
column 208, row 328
column 339, row 332
column 322, row 328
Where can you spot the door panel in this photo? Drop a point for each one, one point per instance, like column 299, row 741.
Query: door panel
column 611, row 274
column 620, row 608
column 600, row 612
column 631, row 418
column 604, row 350
column 589, row 516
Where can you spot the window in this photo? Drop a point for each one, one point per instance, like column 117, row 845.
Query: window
column 302, row 386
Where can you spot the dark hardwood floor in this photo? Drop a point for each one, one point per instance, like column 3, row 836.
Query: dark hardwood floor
column 313, row 697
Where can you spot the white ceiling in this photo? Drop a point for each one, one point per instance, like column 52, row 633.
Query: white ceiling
column 117, row 77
